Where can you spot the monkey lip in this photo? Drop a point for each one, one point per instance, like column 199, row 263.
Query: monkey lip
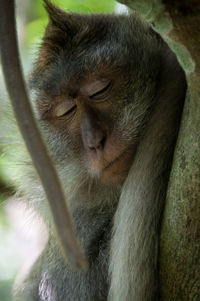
column 112, row 162
column 117, row 170
column 113, row 171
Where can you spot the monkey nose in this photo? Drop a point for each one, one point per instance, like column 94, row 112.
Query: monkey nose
column 95, row 141
column 92, row 132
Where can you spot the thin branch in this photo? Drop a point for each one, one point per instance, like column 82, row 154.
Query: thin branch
column 21, row 105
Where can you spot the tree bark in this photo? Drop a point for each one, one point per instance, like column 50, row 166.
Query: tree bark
column 178, row 22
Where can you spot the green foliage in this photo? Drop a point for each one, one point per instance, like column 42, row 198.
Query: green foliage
column 34, row 32
column 4, row 172
column 87, row 6
column 5, row 290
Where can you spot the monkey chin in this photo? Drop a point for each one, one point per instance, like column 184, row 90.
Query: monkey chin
column 113, row 177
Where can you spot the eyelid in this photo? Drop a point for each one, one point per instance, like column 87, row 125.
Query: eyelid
column 95, row 87
column 64, row 108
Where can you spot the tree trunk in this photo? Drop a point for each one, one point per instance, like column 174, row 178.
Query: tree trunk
column 178, row 22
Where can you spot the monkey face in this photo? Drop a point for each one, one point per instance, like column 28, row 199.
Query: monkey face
column 86, row 124
column 92, row 108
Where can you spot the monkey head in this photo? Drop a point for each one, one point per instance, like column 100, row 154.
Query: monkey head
column 93, row 86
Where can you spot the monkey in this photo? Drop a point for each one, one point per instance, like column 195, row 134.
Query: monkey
column 107, row 93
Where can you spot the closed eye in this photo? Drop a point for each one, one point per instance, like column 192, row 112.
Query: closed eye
column 64, row 109
column 101, row 91
column 96, row 88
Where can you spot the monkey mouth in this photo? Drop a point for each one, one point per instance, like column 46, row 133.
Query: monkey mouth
column 112, row 162
column 114, row 171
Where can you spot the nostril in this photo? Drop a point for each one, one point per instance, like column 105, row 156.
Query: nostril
column 97, row 141
column 102, row 142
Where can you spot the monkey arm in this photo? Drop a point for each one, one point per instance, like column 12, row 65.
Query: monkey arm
column 134, row 247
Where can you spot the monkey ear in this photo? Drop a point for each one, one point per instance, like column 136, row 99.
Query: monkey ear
column 58, row 17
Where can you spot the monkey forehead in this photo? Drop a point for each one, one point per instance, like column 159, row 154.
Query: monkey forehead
column 77, row 36
column 96, row 38
column 90, row 43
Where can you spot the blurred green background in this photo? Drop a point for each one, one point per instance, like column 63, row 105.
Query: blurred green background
column 31, row 22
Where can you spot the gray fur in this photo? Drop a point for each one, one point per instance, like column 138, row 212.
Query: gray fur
column 118, row 226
